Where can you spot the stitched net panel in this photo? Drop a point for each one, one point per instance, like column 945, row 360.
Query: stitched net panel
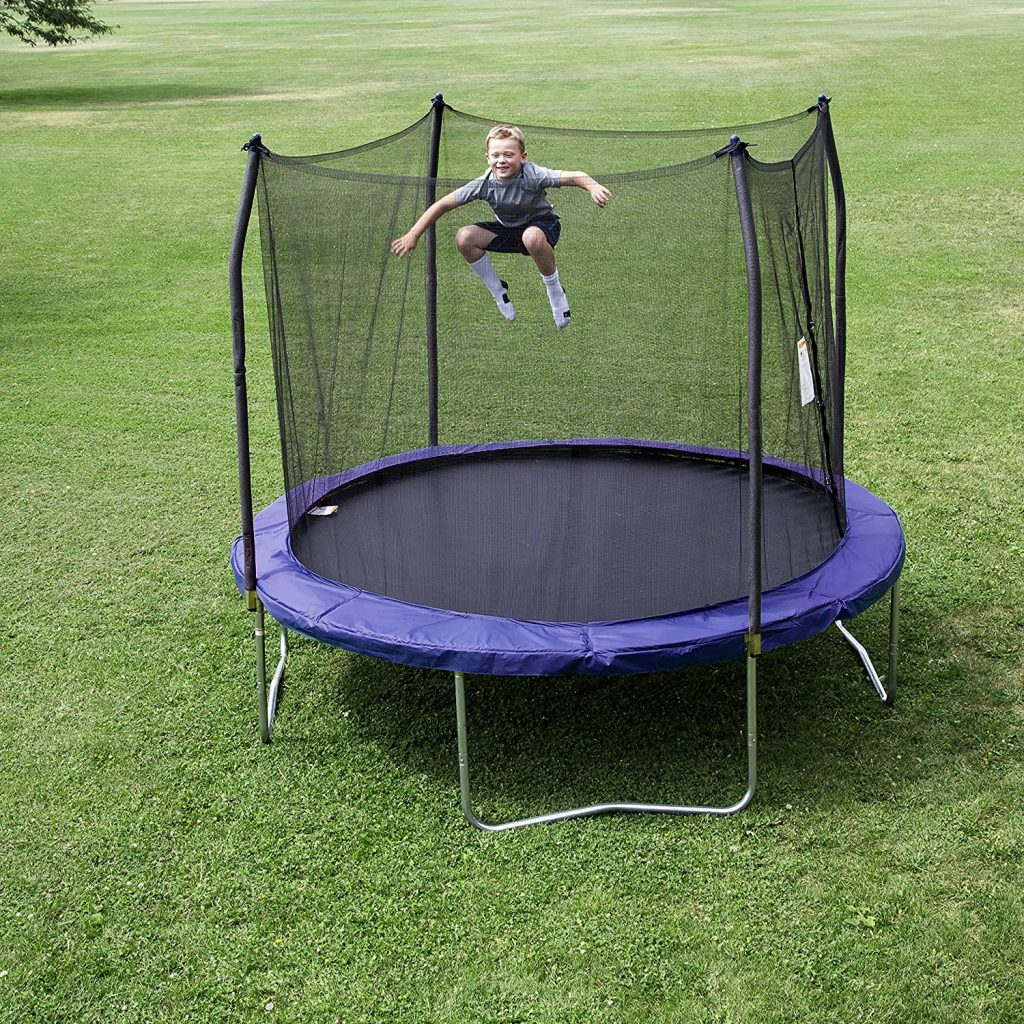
column 657, row 344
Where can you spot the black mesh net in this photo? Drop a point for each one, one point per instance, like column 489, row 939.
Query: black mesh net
column 657, row 350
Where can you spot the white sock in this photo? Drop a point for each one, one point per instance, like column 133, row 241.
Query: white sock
column 483, row 269
column 558, row 300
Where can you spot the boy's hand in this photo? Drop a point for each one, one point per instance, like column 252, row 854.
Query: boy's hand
column 599, row 194
column 404, row 246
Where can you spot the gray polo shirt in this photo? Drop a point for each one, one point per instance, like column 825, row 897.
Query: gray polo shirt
column 517, row 201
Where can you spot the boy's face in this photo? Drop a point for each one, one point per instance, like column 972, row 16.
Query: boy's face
column 505, row 158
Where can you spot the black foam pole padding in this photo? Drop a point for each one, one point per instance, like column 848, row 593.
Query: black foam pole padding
column 754, row 441
column 431, row 297
column 238, row 340
column 839, row 285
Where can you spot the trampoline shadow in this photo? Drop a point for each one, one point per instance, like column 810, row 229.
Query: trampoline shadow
column 539, row 744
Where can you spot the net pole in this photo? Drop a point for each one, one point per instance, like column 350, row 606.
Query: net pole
column 839, row 285
column 754, row 441
column 431, row 304
column 254, row 147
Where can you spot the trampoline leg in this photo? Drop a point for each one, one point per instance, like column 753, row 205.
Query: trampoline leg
column 886, row 690
column 610, row 808
column 751, row 733
column 269, row 695
column 460, row 721
column 894, row 637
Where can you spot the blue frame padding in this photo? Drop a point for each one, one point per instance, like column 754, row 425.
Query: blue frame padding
column 861, row 570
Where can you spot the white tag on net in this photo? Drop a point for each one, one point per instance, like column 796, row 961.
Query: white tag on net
column 323, row 510
column 806, row 377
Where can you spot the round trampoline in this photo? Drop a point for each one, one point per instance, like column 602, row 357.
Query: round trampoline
column 652, row 531
column 659, row 485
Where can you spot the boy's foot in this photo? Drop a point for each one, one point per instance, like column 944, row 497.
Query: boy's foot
column 558, row 300
column 560, row 311
column 498, row 288
column 505, row 307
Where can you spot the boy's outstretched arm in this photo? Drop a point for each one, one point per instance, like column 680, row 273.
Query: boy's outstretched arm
column 404, row 246
column 597, row 191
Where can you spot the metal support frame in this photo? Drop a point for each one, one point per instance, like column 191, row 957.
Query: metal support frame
column 887, row 689
column 269, row 694
column 605, row 808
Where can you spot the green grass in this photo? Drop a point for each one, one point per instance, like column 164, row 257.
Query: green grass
column 160, row 865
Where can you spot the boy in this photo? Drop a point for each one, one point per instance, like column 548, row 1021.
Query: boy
column 526, row 221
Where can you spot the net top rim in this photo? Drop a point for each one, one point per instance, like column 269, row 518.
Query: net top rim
column 654, row 133
column 314, row 163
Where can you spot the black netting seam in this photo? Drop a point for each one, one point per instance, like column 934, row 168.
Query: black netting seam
column 302, row 164
column 623, row 133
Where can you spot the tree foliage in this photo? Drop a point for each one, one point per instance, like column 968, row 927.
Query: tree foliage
column 54, row 22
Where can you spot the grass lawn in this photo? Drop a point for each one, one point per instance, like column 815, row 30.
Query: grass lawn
column 161, row 865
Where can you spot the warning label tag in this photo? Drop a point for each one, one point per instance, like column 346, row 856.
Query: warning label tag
column 806, row 377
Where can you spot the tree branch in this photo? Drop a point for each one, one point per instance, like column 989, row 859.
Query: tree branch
column 54, row 22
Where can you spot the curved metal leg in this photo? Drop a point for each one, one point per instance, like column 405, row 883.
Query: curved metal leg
column 610, row 808
column 886, row 690
column 269, row 695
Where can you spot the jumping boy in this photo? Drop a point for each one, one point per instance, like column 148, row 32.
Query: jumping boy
column 526, row 222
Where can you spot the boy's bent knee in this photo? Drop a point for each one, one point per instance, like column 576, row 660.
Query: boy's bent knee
column 472, row 242
column 534, row 240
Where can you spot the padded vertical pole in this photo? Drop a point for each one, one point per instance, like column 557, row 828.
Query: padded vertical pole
column 255, row 149
column 268, row 695
column 754, row 441
column 432, row 166
column 839, row 285
column 754, row 497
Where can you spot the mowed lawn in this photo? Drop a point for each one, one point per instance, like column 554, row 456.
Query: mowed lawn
column 160, row 864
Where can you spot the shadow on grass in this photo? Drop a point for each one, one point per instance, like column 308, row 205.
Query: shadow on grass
column 113, row 93
column 542, row 744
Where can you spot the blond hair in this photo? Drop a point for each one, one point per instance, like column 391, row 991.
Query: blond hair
column 506, row 131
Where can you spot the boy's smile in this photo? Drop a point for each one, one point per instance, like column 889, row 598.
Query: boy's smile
column 505, row 158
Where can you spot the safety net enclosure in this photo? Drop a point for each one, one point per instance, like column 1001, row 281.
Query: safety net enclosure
column 659, row 484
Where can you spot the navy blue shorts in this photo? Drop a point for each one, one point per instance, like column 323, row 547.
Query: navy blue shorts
column 511, row 239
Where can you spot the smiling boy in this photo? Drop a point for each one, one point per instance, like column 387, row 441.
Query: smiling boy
column 527, row 222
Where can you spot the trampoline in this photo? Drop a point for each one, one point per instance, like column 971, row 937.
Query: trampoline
column 501, row 554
